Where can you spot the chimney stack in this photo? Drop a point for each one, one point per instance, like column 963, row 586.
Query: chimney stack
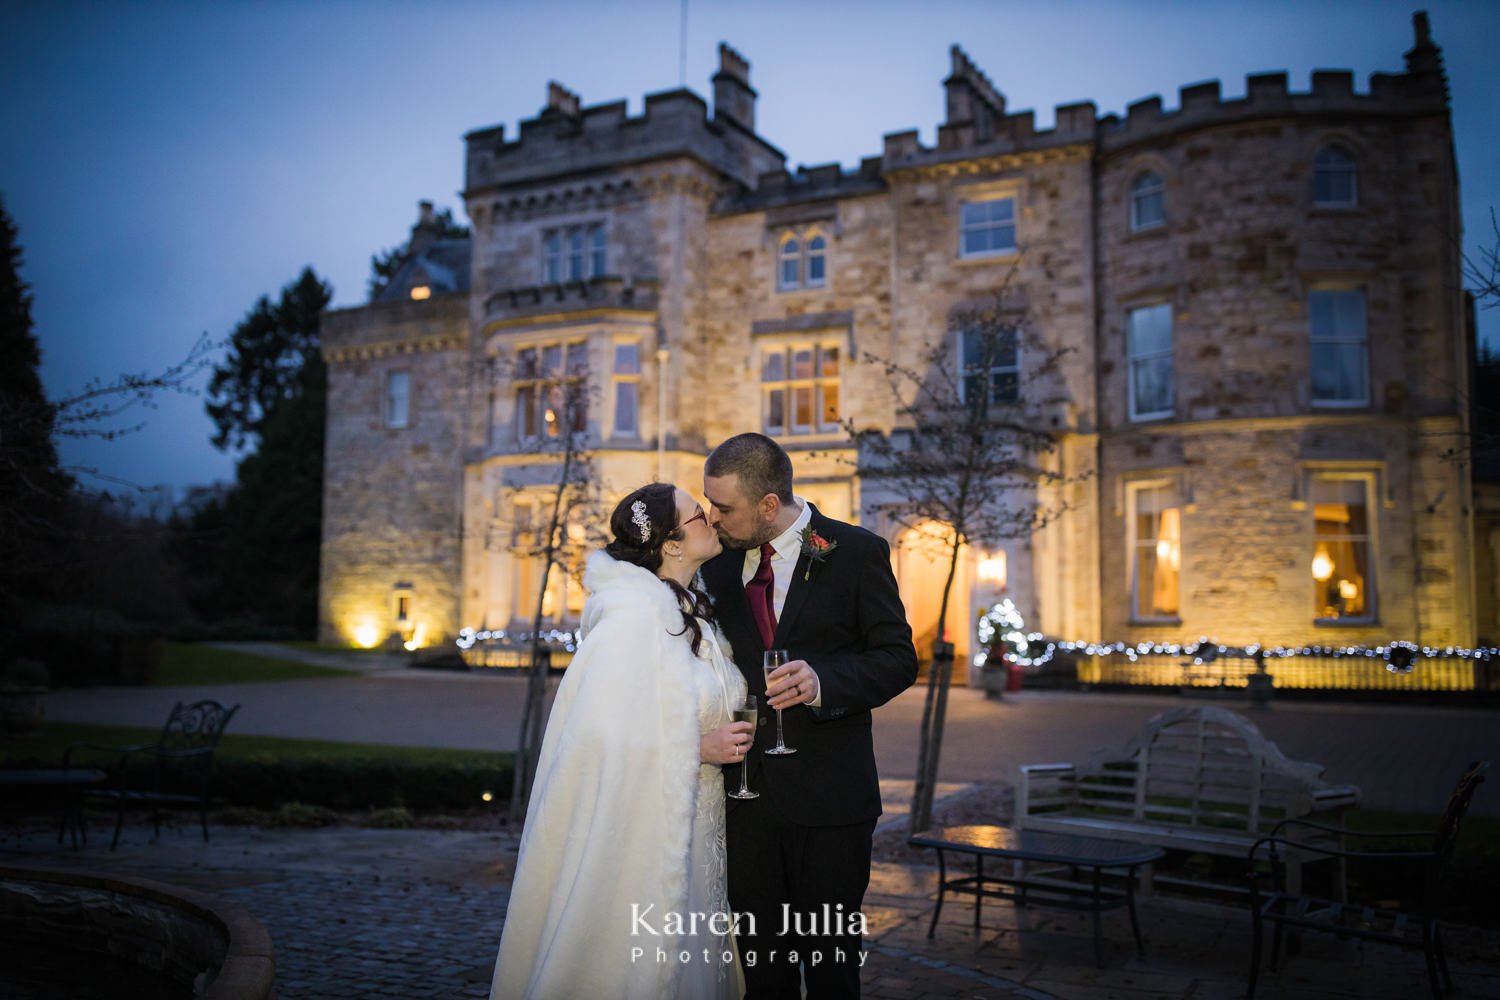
column 562, row 100
column 733, row 98
column 424, row 233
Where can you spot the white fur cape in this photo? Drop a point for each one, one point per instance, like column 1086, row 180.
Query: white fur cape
column 611, row 813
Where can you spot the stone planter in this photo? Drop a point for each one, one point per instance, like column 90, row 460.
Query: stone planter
column 993, row 676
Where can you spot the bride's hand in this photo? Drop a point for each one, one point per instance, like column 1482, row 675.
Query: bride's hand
column 725, row 745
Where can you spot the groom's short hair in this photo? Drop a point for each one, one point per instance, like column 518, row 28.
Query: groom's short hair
column 762, row 465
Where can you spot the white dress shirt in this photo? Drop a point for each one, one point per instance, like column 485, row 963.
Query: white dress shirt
column 788, row 546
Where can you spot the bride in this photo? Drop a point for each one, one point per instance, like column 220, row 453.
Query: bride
column 624, row 836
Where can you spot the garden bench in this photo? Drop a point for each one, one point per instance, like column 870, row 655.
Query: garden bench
column 1194, row 779
column 173, row 771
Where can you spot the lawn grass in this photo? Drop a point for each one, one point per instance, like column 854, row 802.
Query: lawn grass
column 46, row 745
column 266, row 773
column 192, row 663
column 311, row 646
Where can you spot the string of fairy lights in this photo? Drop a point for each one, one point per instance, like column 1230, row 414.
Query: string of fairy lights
column 1002, row 624
column 1002, row 630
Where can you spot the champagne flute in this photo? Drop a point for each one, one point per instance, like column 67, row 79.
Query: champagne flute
column 774, row 658
column 746, row 712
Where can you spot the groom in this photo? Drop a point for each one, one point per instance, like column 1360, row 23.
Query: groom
column 790, row 578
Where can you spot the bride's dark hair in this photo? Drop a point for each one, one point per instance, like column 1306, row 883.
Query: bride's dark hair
column 639, row 536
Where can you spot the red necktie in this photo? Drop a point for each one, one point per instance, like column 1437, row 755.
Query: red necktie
column 761, row 593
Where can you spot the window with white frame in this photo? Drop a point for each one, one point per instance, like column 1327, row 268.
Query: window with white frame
column 626, row 379
column 397, row 399
column 1148, row 337
column 1155, row 530
column 1343, row 557
column 550, row 390
column 799, row 386
column 987, row 227
column 1335, row 178
column 801, row 261
column 1147, row 201
column 1340, row 360
column 989, row 365
column 573, row 253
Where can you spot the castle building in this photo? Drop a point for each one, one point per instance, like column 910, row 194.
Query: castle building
column 1256, row 302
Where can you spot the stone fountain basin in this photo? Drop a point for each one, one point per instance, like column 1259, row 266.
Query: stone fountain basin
column 59, row 924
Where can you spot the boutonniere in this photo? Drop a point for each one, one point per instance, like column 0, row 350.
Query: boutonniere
column 816, row 548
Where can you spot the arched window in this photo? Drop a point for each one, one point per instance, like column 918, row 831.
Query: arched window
column 789, row 270
column 1335, row 178
column 1147, row 201
column 816, row 248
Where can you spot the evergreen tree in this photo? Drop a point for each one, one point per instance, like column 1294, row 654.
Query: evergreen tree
column 269, row 353
column 268, row 396
column 32, row 483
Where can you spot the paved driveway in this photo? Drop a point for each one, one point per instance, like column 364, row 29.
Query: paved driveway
column 1403, row 757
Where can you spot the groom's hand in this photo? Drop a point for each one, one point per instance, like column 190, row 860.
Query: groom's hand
column 790, row 684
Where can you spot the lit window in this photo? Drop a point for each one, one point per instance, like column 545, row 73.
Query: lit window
column 1155, row 550
column 420, row 292
column 627, row 386
column 1147, row 201
column 990, row 363
column 1335, row 178
column 800, row 389
column 1149, row 336
column 573, row 253
column 1343, row 585
column 987, row 228
column 550, row 390
column 397, row 398
column 1340, row 365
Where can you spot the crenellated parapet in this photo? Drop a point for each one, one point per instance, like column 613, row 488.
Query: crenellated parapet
column 1421, row 90
column 566, row 138
column 1006, row 134
column 824, row 182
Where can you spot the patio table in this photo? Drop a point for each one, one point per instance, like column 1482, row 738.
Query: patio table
column 1055, row 852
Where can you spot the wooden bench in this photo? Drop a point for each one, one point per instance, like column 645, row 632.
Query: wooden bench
column 1193, row 779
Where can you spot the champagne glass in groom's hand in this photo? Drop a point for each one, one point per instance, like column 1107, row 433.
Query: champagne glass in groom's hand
column 775, row 658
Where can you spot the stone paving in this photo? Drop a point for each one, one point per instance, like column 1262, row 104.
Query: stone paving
column 417, row 913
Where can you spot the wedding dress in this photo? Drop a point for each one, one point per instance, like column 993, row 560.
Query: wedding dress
column 624, row 838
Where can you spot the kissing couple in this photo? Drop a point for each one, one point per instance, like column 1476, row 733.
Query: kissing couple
column 639, row 875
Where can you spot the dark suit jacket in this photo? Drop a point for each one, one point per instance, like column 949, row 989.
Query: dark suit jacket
column 846, row 620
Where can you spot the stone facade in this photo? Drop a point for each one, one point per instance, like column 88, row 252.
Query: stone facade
column 659, row 243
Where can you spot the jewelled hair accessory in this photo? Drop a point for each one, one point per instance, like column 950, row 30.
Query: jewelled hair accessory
column 638, row 515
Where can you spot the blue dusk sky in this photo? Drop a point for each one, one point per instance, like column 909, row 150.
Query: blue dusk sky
column 168, row 163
